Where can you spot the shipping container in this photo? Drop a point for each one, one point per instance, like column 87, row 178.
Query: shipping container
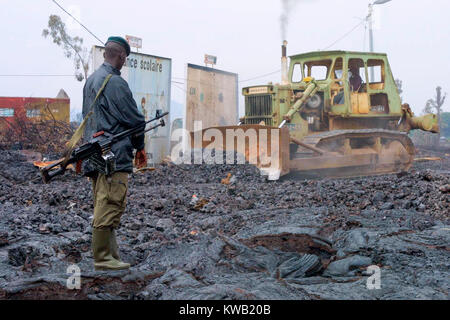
column 149, row 78
column 211, row 97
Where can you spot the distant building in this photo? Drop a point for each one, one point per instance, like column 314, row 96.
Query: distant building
column 35, row 109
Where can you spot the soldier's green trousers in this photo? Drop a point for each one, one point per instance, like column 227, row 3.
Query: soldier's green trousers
column 110, row 199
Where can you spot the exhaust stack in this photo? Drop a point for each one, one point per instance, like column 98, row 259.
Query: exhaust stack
column 284, row 64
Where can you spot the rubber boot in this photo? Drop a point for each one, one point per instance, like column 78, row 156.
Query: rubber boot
column 114, row 247
column 101, row 247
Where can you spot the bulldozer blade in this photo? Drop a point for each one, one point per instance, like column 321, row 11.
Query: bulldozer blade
column 263, row 146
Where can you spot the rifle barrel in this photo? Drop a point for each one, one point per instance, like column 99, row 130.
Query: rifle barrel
column 154, row 127
column 138, row 128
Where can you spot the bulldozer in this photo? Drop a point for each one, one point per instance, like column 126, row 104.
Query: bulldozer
column 334, row 114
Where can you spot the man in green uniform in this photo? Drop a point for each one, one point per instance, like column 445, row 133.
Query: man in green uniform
column 114, row 111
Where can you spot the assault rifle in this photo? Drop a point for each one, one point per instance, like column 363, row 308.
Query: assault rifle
column 98, row 150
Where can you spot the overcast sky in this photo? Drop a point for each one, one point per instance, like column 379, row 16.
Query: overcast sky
column 245, row 35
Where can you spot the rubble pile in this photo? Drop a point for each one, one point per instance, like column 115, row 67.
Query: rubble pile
column 14, row 168
column 46, row 135
column 224, row 232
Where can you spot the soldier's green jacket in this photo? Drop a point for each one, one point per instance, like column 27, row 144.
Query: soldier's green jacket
column 114, row 112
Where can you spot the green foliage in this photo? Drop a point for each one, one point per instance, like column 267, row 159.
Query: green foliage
column 72, row 46
column 428, row 107
column 435, row 105
column 445, row 127
column 399, row 84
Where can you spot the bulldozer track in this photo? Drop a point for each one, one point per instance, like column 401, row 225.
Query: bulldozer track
column 339, row 153
column 363, row 133
column 394, row 153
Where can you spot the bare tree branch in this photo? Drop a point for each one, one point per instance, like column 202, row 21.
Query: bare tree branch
column 72, row 46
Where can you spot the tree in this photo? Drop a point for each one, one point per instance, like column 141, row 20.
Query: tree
column 445, row 129
column 399, row 84
column 77, row 118
column 72, row 46
column 435, row 106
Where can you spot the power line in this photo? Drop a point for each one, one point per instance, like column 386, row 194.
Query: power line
column 37, row 75
column 79, row 22
column 209, row 84
column 261, row 76
column 254, row 78
column 364, row 41
column 345, row 35
column 180, row 88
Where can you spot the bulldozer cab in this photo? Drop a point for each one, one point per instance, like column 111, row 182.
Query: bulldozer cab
column 355, row 83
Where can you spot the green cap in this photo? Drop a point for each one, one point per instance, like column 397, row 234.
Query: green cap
column 121, row 41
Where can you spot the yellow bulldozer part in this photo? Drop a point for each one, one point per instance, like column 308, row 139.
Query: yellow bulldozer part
column 408, row 122
column 427, row 122
column 263, row 146
column 334, row 153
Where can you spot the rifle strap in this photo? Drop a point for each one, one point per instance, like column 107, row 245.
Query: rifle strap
column 70, row 145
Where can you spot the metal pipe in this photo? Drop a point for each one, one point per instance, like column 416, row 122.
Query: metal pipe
column 308, row 146
column 284, row 64
column 310, row 90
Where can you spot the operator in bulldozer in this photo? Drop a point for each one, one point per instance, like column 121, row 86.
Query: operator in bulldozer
column 355, row 79
column 355, row 82
column 114, row 111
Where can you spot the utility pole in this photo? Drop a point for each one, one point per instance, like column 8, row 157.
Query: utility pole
column 370, row 22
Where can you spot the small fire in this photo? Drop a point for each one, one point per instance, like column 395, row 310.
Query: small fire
column 43, row 164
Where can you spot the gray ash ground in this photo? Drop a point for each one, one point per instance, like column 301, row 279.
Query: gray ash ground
column 250, row 239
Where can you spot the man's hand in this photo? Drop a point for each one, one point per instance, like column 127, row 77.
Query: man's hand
column 140, row 159
column 78, row 166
